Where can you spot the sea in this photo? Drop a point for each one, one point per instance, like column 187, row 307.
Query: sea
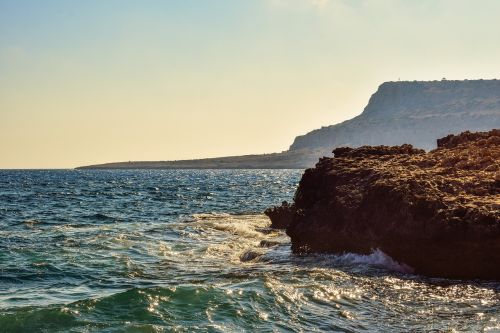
column 191, row 251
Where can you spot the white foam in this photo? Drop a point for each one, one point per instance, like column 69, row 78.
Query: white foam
column 238, row 225
column 377, row 258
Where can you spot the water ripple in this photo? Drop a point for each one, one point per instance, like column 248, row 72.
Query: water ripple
column 189, row 250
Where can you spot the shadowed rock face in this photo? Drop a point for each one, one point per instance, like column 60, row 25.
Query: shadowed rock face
column 281, row 215
column 438, row 212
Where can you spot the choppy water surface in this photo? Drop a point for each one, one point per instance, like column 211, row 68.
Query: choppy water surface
column 184, row 250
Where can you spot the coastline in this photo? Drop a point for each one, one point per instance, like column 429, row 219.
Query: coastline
column 299, row 159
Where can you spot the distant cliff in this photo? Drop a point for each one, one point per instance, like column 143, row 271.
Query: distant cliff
column 415, row 112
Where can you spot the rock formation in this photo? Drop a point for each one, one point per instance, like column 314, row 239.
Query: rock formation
column 438, row 212
column 414, row 112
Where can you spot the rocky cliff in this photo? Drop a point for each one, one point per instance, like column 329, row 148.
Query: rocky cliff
column 438, row 212
column 416, row 113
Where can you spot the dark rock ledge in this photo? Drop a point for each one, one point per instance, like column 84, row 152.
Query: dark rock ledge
column 438, row 212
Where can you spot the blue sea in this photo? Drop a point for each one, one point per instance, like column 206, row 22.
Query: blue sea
column 191, row 251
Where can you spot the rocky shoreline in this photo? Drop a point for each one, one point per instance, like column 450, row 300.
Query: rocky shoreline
column 437, row 212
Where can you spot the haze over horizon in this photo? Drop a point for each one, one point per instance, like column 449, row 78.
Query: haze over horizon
column 93, row 82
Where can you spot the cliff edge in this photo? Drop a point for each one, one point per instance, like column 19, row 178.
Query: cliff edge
column 437, row 212
column 414, row 112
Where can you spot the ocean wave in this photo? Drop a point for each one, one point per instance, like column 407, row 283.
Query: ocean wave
column 238, row 238
column 181, row 308
column 99, row 217
column 30, row 223
column 376, row 259
column 131, row 263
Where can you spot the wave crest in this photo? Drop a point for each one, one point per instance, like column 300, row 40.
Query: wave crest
column 377, row 258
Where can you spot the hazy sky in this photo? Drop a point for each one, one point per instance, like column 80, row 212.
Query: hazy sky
column 95, row 81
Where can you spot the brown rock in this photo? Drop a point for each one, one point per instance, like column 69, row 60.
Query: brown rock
column 280, row 216
column 436, row 212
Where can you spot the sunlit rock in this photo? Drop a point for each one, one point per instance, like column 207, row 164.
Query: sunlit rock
column 437, row 212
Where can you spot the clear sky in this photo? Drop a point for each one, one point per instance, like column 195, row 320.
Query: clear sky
column 94, row 81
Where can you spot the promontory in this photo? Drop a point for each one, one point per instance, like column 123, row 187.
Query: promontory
column 437, row 212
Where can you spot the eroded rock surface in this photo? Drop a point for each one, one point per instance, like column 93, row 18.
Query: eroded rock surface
column 438, row 212
column 281, row 216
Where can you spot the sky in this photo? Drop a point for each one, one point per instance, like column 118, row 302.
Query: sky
column 95, row 81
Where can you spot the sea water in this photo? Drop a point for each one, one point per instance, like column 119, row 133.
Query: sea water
column 190, row 251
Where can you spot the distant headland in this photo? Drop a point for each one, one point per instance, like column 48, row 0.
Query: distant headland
column 414, row 112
